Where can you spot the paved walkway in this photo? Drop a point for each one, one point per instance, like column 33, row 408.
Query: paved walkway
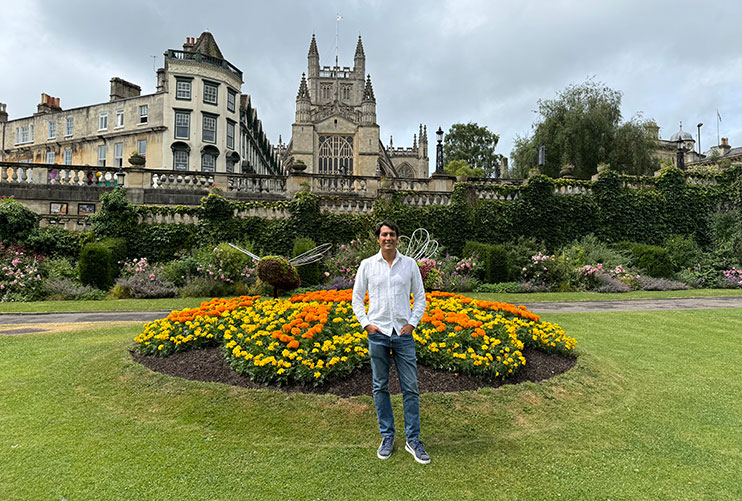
column 701, row 303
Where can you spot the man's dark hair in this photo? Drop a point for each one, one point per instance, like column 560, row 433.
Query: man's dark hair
column 389, row 224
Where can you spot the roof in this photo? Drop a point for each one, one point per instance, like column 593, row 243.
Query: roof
column 207, row 46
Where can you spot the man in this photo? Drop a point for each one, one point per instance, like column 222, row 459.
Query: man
column 389, row 277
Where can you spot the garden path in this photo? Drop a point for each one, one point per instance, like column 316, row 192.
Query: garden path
column 540, row 308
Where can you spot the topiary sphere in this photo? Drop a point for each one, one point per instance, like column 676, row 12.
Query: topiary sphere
column 278, row 272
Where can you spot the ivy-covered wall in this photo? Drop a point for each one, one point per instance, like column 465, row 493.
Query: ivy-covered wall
column 666, row 205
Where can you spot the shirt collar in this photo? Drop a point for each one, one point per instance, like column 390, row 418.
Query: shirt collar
column 380, row 257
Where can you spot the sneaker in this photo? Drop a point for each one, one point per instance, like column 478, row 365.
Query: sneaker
column 416, row 449
column 386, row 447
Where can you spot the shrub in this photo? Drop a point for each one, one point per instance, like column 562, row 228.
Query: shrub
column 608, row 284
column 660, row 284
column 337, row 283
column 16, row 221
column 59, row 268
column 118, row 252
column 116, row 217
column 64, row 289
column 683, row 251
column 500, row 288
column 733, row 277
column 53, row 241
column 230, row 261
column 346, row 259
column 179, row 270
column 146, row 286
column 203, row 287
column 97, row 266
column 20, row 275
column 278, row 272
column 495, row 260
column 588, row 250
column 549, row 273
column 654, row 260
column 310, row 273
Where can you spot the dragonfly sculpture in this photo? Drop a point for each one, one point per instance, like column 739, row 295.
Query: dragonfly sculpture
column 281, row 272
column 419, row 245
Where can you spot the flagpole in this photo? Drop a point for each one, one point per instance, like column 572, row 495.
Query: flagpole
column 718, row 120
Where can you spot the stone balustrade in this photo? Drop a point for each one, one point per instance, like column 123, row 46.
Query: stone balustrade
column 180, row 180
column 339, row 185
column 347, row 205
column 64, row 175
column 68, row 222
column 423, row 199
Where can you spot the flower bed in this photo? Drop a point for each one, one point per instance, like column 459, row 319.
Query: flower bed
column 314, row 337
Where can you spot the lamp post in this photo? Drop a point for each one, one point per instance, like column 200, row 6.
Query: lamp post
column 700, row 151
column 439, row 152
column 681, row 154
column 120, row 177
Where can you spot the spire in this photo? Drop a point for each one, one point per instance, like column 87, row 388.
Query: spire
column 368, row 90
column 206, row 45
column 414, row 141
column 313, row 47
column 303, row 89
column 359, row 49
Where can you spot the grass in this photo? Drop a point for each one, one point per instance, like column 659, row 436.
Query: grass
column 180, row 303
column 651, row 411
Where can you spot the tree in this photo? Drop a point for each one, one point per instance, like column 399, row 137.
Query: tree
column 582, row 126
column 461, row 168
column 474, row 145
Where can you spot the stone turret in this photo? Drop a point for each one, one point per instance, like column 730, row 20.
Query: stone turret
column 313, row 59
column 368, row 104
column 303, row 103
column 359, row 61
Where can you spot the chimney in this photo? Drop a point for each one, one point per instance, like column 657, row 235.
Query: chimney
column 189, row 43
column 724, row 146
column 121, row 89
column 48, row 104
column 161, row 80
column 3, row 112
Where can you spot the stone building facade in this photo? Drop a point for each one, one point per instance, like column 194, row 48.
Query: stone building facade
column 335, row 131
column 197, row 120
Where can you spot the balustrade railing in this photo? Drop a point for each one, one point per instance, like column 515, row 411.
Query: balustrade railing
column 16, row 173
column 182, row 180
column 258, row 184
column 69, row 175
column 328, row 184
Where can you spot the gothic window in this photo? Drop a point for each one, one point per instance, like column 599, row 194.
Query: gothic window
column 405, row 170
column 336, row 155
column 326, row 91
column 346, row 92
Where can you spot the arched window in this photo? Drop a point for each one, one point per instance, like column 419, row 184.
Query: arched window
column 232, row 160
column 209, row 154
column 336, row 155
column 405, row 170
column 181, row 152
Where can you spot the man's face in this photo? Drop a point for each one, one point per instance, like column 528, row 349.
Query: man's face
column 387, row 239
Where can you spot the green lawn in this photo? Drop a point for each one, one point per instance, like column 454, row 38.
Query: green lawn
column 652, row 411
column 190, row 302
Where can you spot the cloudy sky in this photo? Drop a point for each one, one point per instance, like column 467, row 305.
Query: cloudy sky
column 436, row 63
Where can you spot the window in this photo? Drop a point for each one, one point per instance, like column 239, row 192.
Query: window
column 143, row 114
column 67, row 159
column 52, row 130
column 180, row 159
column 69, row 127
column 182, row 124
column 142, row 147
column 209, row 129
column 336, row 155
column 50, row 157
column 208, row 162
column 210, row 93
column 183, row 89
column 326, row 91
column 230, row 134
column 118, row 155
column 346, row 92
column 119, row 119
column 231, row 99
column 24, row 134
column 102, row 155
column 103, row 121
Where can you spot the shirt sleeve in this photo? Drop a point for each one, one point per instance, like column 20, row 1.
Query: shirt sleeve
column 359, row 294
column 418, row 295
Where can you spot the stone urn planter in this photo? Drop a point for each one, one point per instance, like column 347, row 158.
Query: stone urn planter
column 603, row 167
column 567, row 172
column 299, row 167
column 386, row 183
column 462, row 179
column 137, row 160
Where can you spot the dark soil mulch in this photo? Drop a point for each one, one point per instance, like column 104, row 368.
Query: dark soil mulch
column 210, row 365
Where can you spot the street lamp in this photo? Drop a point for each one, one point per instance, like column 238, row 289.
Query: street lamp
column 439, row 152
column 700, row 151
column 681, row 154
column 120, row 177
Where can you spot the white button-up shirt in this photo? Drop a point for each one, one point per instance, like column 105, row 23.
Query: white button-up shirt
column 389, row 290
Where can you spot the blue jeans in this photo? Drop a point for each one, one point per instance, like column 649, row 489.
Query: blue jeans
column 381, row 349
